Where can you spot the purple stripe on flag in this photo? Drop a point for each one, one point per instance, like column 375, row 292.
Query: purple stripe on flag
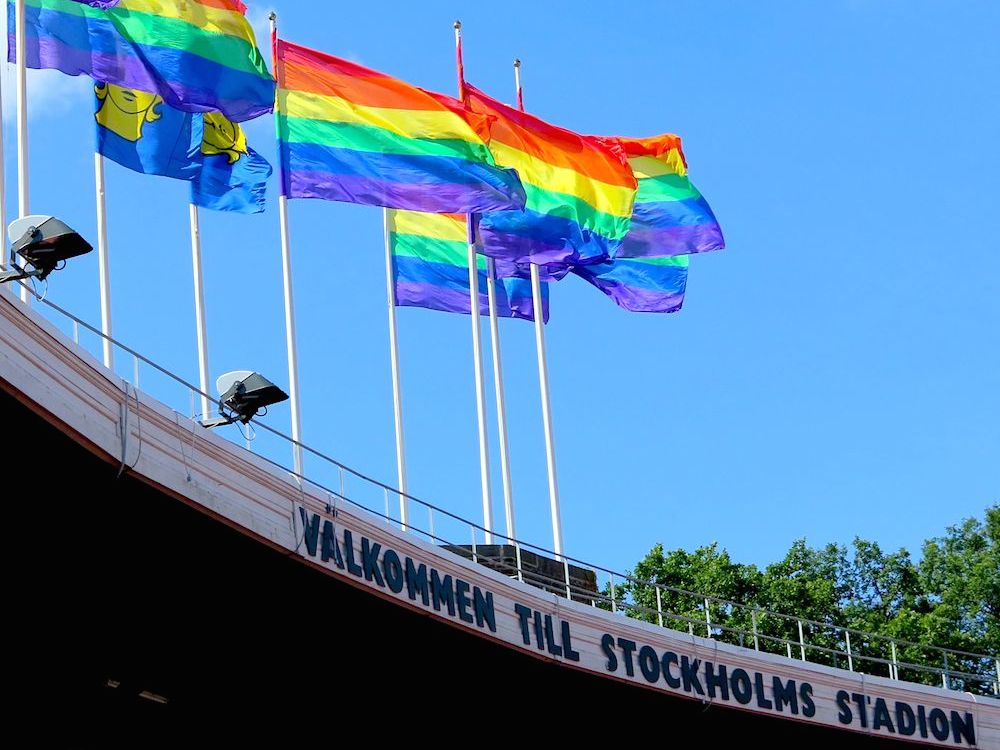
column 436, row 198
column 547, row 272
column 413, row 294
column 637, row 299
column 505, row 246
column 648, row 242
column 125, row 70
column 48, row 52
column 645, row 300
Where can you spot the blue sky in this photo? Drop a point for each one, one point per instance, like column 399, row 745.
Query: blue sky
column 835, row 372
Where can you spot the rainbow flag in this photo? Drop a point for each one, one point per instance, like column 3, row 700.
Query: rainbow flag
column 579, row 190
column 352, row 134
column 431, row 268
column 670, row 216
column 641, row 284
column 199, row 55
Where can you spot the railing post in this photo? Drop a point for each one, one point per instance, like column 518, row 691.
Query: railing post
column 135, row 372
column 340, row 470
column 690, row 628
column 753, row 622
column 895, row 663
column 385, row 491
column 430, row 524
column 708, row 620
column 191, row 394
column 788, row 648
column 659, row 607
column 475, row 552
column 850, row 656
column 944, row 674
column 569, row 591
column 517, row 555
column 614, row 605
column 996, row 663
column 76, row 332
column 802, row 642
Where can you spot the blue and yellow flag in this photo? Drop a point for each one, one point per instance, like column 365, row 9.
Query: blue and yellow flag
column 139, row 131
column 233, row 176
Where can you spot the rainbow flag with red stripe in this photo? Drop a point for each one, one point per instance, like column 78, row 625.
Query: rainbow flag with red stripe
column 199, row 55
column 579, row 190
column 670, row 216
column 348, row 133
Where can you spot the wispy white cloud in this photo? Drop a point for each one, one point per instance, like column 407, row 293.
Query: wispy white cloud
column 50, row 93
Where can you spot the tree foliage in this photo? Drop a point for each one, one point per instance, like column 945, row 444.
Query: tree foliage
column 949, row 598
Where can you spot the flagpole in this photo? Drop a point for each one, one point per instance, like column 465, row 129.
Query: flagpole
column 3, row 184
column 22, row 123
column 103, row 264
column 477, row 350
column 199, row 310
column 543, row 377
column 397, row 402
column 508, row 494
column 286, row 274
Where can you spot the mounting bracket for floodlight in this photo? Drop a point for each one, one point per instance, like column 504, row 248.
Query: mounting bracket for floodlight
column 16, row 275
column 242, row 394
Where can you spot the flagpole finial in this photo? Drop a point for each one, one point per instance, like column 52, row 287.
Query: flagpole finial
column 272, row 16
column 517, row 62
column 457, row 25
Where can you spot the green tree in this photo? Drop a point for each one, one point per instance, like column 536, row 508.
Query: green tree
column 950, row 599
column 685, row 580
column 960, row 579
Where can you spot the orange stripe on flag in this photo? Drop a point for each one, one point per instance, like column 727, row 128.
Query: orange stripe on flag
column 601, row 159
column 303, row 69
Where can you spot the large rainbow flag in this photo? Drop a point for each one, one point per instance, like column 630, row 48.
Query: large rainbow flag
column 348, row 133
column 670, row 216
column 579, row 190
column 431, row 268
column 199, row 55
column 641, row 284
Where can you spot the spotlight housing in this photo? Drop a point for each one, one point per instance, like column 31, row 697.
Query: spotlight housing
column 242, row 395
column 43, row 242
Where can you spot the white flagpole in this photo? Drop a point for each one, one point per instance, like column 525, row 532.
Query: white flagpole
column 103, row 264
column 293, row 359
column 508, row 495
column 199, row 310
column 397, row 398
column 3, row 183
column 22, row 123
column 543, row 378
column 477, row 346
column 286, row 274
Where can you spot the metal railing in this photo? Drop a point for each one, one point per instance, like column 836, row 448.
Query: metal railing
column 712, row 617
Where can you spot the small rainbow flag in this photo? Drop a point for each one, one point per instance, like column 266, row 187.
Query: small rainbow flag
column 431, row 268
column 670, row 216
column 352, row 134
column 641, row 284
column 199, row 55
column 579, row 190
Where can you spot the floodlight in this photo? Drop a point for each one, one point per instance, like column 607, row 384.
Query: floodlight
column 43, row 242
column 242, row 395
